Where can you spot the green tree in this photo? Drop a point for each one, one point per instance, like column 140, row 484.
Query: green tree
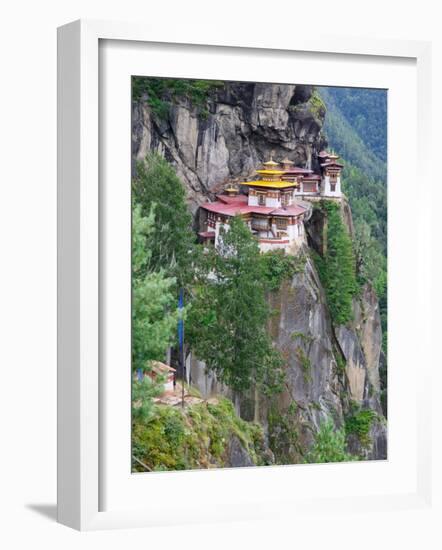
column 230, row 314
column 154, row 312
column 337, row 266
column 371, row 262
column 172, row 243
column 329, row 445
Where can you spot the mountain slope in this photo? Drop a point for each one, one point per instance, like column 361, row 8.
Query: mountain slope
column 358, row 135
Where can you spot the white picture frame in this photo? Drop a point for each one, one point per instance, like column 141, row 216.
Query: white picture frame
column 80, row 437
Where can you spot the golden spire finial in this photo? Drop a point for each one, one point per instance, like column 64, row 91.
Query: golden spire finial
column 270, row 162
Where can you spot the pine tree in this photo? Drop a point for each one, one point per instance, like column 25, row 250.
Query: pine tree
column 230, row 314
column 156, row 184
column 154, row 313
column 337, row 268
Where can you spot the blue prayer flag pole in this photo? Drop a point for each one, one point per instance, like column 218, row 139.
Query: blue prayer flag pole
column 181, row 342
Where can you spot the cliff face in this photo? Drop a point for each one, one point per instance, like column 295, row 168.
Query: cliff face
column 332, row 372
column 243, row 124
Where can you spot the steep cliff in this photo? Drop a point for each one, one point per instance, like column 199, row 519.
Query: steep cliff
column 332, row 370
column 241, row 124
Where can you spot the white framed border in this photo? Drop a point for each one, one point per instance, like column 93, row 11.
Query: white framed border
column 78, row 265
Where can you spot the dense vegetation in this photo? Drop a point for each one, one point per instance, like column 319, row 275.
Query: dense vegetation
column 229, row 317
column 161, row 92
column 337, row 265
column 226, row 317
column 359, row 423
column 329, row 445
column 154, row 314
column 356, row 126
column 278, row 266
column 366, row 112
column 196, row 437
column 172, row 243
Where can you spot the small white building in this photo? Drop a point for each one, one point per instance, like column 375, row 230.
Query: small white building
column 331, row 175
column 161, row 371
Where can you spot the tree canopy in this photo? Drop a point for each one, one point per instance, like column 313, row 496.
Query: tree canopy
column 154, row 312
column 337, row 266
column 231, row 312
column 172, row 246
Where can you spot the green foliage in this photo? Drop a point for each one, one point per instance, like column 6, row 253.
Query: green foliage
column 368, row 201
column 303, row 337
column 365, row 110
column 359, row 423
column 329, row 445
column 196, row 437
column 279, row 266
column 143, row 392
column 337, row 267
column 229, row 314
column 161, row 92
column 340, row 362
column 283, row 431
column 154, row 314
column 356, row 126
column 172, row 244
column 306, row 366
column 317, row 105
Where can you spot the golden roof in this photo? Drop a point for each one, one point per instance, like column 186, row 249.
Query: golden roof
column 271, row 172
column 273, row 184
column 270, row 162
column 287, row 161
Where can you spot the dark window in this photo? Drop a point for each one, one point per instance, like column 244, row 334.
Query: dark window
column 281, row 223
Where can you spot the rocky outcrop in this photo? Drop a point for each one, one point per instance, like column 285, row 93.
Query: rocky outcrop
column 329, row 369
column 237, row 455
column 243, row 124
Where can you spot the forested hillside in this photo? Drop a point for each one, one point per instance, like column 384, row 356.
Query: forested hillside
column 356, row 122
column 356, row 127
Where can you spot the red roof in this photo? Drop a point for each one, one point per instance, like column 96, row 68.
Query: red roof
column 232, row 209
column 293, row 210
column 235, row 199
column 332, row 163
column 207, row 234
column 312, row 177
column 298, row 170
column 230, row 206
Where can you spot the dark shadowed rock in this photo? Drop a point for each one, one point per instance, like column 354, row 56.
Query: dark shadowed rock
column 237, row 455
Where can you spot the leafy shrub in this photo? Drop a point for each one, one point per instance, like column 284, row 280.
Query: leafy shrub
column 161, row 92
column 278, row 266
column 359, row 423
column 329, row 445
column 196, row 437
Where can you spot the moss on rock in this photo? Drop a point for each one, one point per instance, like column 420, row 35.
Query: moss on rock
column 200, row 436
